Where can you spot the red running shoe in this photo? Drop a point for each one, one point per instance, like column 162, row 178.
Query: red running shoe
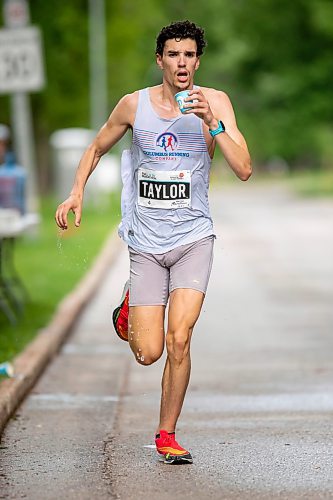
column 169, row 451
column 120, row 315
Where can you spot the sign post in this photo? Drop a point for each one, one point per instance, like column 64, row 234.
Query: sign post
column 97, row 60
column 21, row 71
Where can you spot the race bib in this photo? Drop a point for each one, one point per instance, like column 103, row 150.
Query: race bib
column 160, row 189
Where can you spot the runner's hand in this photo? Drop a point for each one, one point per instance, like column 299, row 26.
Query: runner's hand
column 74, row 204
column 200, row 107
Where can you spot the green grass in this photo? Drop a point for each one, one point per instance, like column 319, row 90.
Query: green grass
column 312, row 182
column 50, row 264
column 306, row 183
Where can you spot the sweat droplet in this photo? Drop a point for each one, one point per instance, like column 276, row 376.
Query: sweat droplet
column 142, row 358
column 59, row 245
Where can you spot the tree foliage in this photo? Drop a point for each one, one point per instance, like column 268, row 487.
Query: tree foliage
column 273, row 57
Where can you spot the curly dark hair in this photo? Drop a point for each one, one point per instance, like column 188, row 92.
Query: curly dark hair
column 180, row 30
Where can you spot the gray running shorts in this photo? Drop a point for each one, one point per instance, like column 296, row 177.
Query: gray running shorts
column 154, row 276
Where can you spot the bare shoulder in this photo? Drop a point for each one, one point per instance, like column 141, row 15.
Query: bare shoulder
column 220, row 105
column 218, row 97
column 125, row 110
column 129, row 102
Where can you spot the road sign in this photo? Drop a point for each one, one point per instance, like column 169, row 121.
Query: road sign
column 21, row 61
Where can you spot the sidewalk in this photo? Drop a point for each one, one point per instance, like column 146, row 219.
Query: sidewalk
column 258, row 413
column 54, row 447
column 29, row 364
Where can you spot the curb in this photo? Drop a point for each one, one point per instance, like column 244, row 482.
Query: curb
column 30, row 364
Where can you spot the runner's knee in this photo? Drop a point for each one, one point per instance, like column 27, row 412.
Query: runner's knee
column 147, row 357
column 178, row 343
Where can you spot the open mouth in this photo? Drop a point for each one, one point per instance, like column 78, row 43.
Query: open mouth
column 182, row 76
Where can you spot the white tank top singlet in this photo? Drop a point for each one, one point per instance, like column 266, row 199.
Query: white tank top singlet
column 165, row 178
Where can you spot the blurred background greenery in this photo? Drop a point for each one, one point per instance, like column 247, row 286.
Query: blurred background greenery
column 273, row 58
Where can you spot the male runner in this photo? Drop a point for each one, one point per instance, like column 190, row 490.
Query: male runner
column 165, row 214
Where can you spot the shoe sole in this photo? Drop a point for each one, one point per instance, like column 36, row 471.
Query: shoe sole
column 115, row 314
column 175, row 459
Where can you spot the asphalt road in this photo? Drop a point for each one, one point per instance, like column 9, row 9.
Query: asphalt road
column 259, row 410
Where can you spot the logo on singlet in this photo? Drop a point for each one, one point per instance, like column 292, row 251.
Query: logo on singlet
column 167, row 141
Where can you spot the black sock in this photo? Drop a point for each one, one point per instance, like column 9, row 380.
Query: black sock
column 157, row 436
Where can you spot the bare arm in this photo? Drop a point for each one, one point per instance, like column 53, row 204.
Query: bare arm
column 231, row 142
column 113, row 130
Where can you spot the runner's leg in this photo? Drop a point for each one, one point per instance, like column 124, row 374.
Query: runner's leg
column 184, row 309
column 146, row 333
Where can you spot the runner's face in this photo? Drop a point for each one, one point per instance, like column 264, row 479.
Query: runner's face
column 179, row 62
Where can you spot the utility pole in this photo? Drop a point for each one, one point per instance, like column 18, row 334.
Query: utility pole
column 97, row 63
column 21, row 71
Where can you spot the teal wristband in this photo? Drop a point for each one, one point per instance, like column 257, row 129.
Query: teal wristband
column 218, row 130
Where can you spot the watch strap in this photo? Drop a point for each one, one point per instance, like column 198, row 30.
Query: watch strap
column 218, row 130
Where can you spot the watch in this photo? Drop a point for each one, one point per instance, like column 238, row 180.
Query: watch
column 218, row 130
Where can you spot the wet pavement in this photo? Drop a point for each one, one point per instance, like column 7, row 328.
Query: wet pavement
column 259, row 410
